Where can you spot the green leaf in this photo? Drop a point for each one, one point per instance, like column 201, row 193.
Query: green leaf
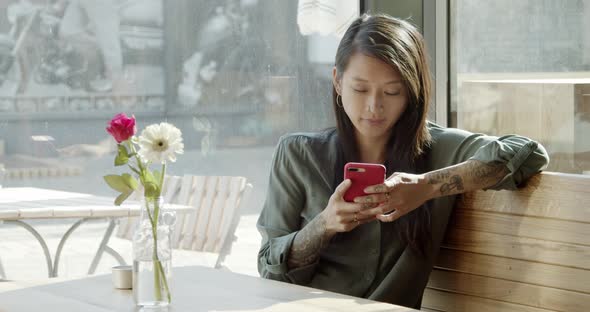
column 149, row 178
column 122, row 151
column 117, row 183
column 122, row 157
column 121, row 198
column 130, row 181
column 121, row 160
column 151, row 190
column 157, row 176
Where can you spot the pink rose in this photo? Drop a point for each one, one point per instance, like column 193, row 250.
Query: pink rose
column 122, row 127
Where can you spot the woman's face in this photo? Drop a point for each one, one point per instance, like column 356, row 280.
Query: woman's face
column 373, row 96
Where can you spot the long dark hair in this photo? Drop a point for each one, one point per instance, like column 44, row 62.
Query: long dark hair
column 399, row 44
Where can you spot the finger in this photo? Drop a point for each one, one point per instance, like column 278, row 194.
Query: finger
column 394, row 178
column 378, row 210
column 367, row 206
column 356, row 217
column 350, row 223
column 371, row 199
column 389, row 217
column 392, row 182
column 342, row 188
column 346, row 208
column 387, row 186
column 377, row 188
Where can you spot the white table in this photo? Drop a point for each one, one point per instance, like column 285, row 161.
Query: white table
column 193, row 289
column 22, row 203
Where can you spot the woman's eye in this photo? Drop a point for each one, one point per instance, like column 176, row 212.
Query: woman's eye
column 359, row 90
column 392, row 93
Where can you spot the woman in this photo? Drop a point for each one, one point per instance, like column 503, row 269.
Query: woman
column 383, row 245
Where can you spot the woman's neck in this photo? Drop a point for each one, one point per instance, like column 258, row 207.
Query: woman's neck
column 371, row 151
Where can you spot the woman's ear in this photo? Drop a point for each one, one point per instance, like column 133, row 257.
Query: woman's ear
column 336, row 80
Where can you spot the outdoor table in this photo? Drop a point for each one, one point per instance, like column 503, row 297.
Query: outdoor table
column 19, row 204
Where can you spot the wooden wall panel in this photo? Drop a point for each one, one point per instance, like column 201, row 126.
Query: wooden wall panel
column 447, row 301
column 509, row 291
column 532, row 227
column 515, row 270
column 517, row 247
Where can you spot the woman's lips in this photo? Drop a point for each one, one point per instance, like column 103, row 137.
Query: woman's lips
column 374, row 121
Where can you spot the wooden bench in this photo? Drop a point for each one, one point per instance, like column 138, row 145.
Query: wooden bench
column 526, row 250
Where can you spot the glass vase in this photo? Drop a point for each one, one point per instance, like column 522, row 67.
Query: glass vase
column 152, row 255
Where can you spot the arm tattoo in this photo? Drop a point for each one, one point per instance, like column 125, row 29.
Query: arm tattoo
column 491, row 172
column 455, row 183
column 467, row 176
column 439, row 176
column 308, row 243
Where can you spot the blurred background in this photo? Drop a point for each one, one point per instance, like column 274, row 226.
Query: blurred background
column 235, row 75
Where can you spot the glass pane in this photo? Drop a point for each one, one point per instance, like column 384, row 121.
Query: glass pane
column 410, row 10
column 233, row 75
column 523, row 66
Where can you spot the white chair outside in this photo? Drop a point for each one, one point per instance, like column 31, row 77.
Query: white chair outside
column 211, row 225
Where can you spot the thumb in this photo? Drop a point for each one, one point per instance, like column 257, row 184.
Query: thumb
column 342, row 187
column 393, row 179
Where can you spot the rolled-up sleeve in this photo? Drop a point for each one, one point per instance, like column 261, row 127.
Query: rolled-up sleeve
column 280, row 219
column 522, row 156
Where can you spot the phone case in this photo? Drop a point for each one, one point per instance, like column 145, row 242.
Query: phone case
column 361, row 176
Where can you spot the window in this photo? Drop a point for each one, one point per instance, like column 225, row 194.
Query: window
column 524, row 67
column 233, row 75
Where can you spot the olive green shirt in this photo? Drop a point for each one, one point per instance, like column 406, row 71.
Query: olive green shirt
column 369, row 261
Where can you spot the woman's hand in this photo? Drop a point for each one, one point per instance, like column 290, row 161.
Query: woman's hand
column 342, row 216
column 400, row 194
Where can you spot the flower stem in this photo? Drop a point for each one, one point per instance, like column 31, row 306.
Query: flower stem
column 162, row 176
column 165, row 281
column 159, row 273
column 134, row 169
column 157, row 278
column 139, row 164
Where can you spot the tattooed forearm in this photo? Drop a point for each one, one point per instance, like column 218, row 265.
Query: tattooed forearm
column 308, row 243
column 439, row 176
column 467, row 176
column 455, row 183
column 489, row 173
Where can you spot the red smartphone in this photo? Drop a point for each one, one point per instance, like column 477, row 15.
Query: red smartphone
column 362, row 175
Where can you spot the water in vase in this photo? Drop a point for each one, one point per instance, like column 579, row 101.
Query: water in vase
column 145, row 282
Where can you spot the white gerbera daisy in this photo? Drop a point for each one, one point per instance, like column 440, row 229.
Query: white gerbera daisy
column 158, row 143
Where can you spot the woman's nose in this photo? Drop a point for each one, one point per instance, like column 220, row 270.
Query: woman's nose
column 373, row 104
